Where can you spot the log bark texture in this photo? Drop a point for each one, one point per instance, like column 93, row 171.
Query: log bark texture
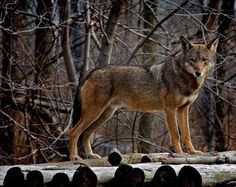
column 212, row 174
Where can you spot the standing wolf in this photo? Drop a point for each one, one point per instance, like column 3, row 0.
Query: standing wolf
column 171, row 87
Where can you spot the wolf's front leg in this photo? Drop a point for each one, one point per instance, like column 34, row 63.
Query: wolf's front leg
column 182, row 115
column 173, row 129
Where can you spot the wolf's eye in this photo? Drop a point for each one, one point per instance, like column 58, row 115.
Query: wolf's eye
column 204, row 59
column 192, row 59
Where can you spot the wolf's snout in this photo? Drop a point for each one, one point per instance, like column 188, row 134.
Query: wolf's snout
column 198, row 74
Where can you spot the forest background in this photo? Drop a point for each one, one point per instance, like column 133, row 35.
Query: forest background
column 47, row 45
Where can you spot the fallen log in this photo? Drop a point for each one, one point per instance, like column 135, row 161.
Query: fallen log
column 211, row 173
column 228, row 157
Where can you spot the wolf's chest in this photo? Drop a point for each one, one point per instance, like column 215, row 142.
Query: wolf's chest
column 186, row 100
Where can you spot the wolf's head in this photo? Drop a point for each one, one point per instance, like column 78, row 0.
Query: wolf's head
column 198, row 59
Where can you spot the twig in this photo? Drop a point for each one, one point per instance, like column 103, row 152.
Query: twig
column 141, row 43
column 30, row 134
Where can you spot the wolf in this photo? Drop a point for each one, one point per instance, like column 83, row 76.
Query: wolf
column 171, row 87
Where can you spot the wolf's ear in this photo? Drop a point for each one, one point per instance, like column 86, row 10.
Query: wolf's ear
column 212, row 46
column 186, row 44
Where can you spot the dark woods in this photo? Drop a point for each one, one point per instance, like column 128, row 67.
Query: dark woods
column 46, row 46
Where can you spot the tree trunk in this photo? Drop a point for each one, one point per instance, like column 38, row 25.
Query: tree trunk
column 208, row 113
column 85, row 65
column 8, row 53
column 210, row 21
column 109, row 34
column 224, row 21
column 104, row 56
column 147, row 125
column 44, row 42
column 65, row 43
column 75, row 36
column 209, row 18
column 11, row 77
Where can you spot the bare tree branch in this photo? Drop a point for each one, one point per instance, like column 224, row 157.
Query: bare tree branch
column 141, row 43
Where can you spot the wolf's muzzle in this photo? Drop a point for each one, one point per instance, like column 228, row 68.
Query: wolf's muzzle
column 198, row 74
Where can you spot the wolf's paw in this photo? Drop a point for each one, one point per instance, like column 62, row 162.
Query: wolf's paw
column 93, row 156
column 76, row 159
column 196, row 152
column 214, row 153
column 200, row 153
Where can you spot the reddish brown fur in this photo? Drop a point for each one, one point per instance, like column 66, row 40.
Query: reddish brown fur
column 172, row 87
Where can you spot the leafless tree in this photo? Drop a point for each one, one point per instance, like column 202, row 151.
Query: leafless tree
column 38, row 74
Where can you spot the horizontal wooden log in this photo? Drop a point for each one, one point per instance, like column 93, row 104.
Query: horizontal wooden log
column 211, row 173
column 228, row 157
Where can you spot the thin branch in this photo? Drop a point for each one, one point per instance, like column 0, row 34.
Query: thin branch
column 141, row 43
column 30, row 134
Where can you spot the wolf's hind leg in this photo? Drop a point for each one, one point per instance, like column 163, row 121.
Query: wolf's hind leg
column 103, row 118
column 87, row 118
column 93, row 102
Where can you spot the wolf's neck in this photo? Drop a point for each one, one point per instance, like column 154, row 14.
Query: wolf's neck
column 187, row 82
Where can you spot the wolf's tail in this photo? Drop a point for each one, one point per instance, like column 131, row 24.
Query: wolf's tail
column 76, row 110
